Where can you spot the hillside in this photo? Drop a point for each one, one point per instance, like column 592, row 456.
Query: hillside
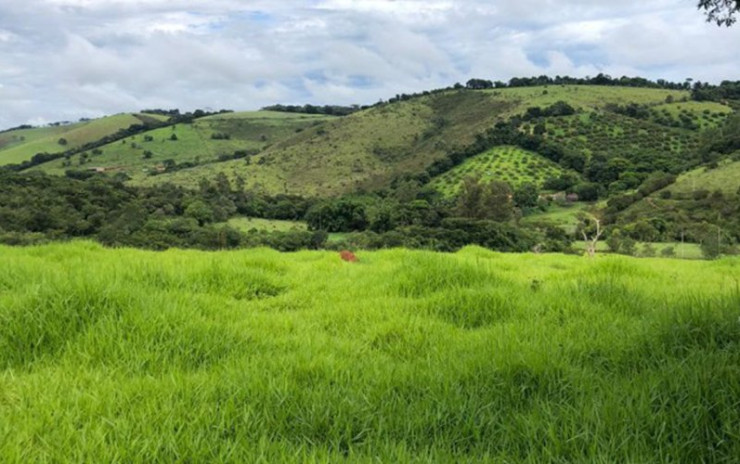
column 257, row 356
column 367, row 149
column 392, row 173
column 205, row 140
column 510, row 164
column 702, row 205
column 20, row 145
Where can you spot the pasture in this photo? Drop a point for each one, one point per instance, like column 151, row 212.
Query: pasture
column 20, row 145
column 406, row 356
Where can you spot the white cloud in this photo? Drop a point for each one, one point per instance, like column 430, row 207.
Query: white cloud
column 62, row 59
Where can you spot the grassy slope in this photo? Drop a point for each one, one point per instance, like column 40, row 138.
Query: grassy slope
column 703, row 115
column 511, row 164
column 368, row 148
column 256, row 356
column 247, row 131
column 20, row 145
column 726, row 177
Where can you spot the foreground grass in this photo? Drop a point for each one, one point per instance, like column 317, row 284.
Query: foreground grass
column 406, row 356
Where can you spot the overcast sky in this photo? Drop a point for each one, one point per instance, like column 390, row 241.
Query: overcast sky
column 67, row 59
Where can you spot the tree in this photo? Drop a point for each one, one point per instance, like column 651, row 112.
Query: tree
column 200, row 211
column 469, row 200
column 526, row 195
column 497, row 201
column 590, row 228
column 721, row 12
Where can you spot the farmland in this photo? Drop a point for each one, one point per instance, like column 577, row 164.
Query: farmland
column 20, row 145
column 510, row 164
column 206, row 140
column 407, row 356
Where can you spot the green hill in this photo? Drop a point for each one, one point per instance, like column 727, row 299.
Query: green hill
column 367, row 149
column 599, row 142
column 205, row 140
column 725, row 177
column 20, row 145
column 692, row 114
column 640, row 142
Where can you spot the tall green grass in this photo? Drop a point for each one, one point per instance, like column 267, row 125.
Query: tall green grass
column 407, row 356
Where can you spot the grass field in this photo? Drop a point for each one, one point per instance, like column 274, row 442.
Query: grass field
column 725, row 177
column 585, row 97
column 245, row 224
column 407, row 356
column 565, row 217
column 680, row 250
column 510, row 164
column 20, row 145
column 141, row 154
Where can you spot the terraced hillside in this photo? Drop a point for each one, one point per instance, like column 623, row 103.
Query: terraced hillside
column 208, row 139
column 367, row 149
column 20, row 145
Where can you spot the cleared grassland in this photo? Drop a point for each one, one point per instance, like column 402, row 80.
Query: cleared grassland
column 511, row 164
column 586, row 97
column 407, row 356
column 20, row 145
column 141, row 154
column 725, row 177
column 245, row 224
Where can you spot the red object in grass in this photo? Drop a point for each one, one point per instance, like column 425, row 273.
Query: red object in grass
column 347, row 255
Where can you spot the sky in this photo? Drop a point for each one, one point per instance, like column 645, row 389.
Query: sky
column 68, row 59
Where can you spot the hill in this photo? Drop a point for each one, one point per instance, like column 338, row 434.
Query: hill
column 20, row 145
column 202, row 141
column 367, row 149
column 250, row 356
column 392, row 172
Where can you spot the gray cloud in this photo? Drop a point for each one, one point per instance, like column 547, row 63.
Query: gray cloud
column 65, row 59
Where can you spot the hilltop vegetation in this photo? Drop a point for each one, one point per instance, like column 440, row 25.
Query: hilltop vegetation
column 257, row 356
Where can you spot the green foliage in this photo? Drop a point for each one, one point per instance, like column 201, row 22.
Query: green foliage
column 511, row 164
column 485, row 200
column 258, row 356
